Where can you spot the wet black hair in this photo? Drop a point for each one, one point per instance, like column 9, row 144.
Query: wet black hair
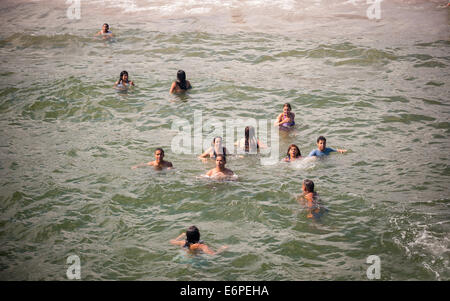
column 309, row 185
column 122, row 74
column 321, row 138
column 299, row 154
column 247, row 136
column 159, row 149
column 192, row 236
column 181, row 79
column 107, row 25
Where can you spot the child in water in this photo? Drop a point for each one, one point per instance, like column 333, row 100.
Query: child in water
column 323, row 150
column 123, row 83
column 286, row 119
column 181, row 84
column 159, row 162
column 310, row 199
column 293, row 153
column 193, row 243
column 105, row 32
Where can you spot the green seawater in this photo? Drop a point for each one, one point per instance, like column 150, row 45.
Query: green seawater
column 68, row 141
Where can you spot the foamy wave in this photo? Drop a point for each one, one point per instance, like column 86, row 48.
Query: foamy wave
column 191, row 7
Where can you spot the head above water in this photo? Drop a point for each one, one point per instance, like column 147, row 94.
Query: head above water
column 192, row 235
column 287, row 107
column 221, row 157
column 293, row 151
column 217, row 141
column 181, row 78
column 122, row 74
column 308, row 185
column 321, row 143
column 105, row 27
column 159, row 154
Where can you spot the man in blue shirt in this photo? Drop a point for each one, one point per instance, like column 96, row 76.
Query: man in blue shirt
column 323, row 150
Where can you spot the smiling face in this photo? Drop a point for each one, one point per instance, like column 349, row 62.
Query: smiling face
column 321, row 145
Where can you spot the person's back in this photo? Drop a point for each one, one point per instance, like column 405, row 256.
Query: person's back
column 311, row 198
column 192, row 243
column 181, row 84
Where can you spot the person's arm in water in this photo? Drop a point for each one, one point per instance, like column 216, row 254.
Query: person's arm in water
column 172, row 88
column 207, row 250
column 206, row 154
column 339, row 150
column 261, row 145
column 142, row 165
column 178, row 241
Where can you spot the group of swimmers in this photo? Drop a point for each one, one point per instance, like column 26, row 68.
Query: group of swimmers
column 249, row 144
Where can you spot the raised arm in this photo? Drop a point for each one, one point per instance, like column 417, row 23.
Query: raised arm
column 178, row 241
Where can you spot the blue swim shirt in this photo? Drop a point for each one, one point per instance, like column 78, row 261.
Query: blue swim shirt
column 319, row 153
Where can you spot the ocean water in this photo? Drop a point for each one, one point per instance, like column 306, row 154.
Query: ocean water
column 376, row 87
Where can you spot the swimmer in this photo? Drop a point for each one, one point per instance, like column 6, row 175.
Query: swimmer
column 293, row 153
column 220, row 171
column 181, row 84
column 193, row 243
column 215, row 149
column 323, row 150
column 250, row 144
column 310, row 199
column 286, row 119
column 105, row 31
column 123, row 83
column 159, row 162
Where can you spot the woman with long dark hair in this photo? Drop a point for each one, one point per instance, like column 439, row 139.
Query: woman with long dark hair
column 249, row 144
column 181, row 84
